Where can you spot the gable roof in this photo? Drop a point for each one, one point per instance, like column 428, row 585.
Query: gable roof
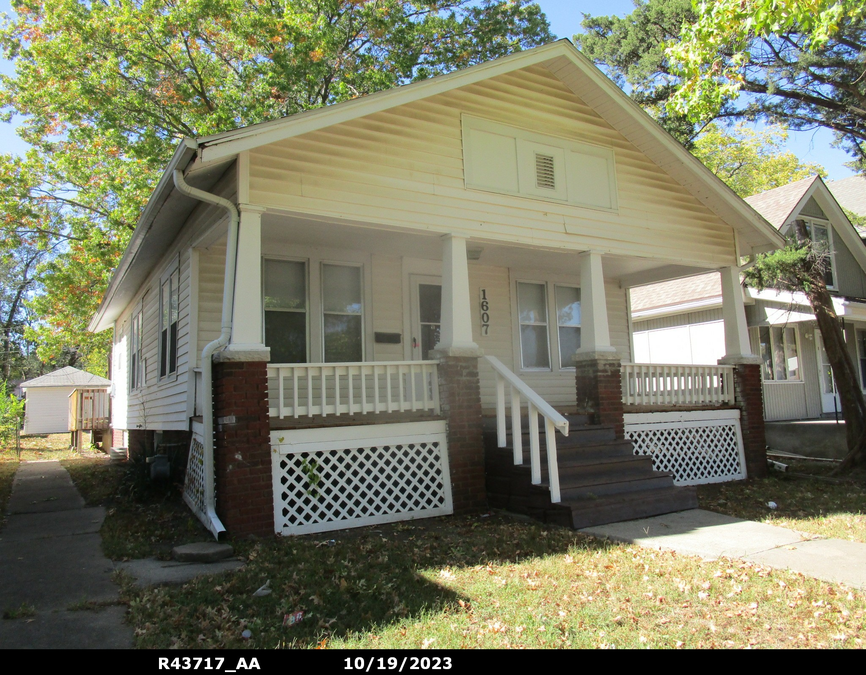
column 850, row 193
column 688, row 294
column 210, row 153
column 792, row 198
column 67, row 377
column 779, row 203
column 778, row 206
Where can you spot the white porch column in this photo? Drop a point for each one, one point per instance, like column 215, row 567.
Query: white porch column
column 594, row 331
column 247, row 331
column 737, row 348
column 455, row 334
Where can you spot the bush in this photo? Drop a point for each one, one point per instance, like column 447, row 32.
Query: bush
column 11, row 415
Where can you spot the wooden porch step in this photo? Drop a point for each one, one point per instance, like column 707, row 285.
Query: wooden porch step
column 601, row 480
column 577, row 436
column 600, row 451
column 616, row 508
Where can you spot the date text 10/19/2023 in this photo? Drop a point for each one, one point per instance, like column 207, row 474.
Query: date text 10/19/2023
column 378, row 663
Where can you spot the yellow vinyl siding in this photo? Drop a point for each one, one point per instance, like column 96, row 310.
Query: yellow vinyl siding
column 404, row 167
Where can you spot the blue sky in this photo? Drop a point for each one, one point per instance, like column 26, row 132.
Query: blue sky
column 565, row 17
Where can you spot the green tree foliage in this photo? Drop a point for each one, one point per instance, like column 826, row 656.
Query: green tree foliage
column 11, row 415
column 107, row 89
column 794, row 62
column 632, row 50
column 750, row 161
column 799, row 61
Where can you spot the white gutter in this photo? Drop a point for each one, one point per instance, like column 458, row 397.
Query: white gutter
column 214, row 524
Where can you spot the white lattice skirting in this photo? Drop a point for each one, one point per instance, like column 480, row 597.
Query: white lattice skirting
column 696, row 446
column 193, row 488
column 341, row 477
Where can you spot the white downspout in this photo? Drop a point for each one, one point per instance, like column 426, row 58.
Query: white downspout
column 215, row 525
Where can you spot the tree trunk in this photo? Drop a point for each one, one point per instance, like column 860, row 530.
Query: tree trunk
column 844, row 374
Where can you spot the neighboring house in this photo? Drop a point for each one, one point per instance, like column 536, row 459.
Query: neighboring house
column 353, row 286
column 47, row 408
column 681, row 321
column 851, row 194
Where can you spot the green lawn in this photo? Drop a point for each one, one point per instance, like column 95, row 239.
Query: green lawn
column 142, row 520
column 492, row 582
column 826, row 506
column 484, row 581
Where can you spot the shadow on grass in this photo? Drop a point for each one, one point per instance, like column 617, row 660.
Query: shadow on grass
column 348, row 582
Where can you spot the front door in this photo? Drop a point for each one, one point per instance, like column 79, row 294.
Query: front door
column 426, row 315
column 829, row 397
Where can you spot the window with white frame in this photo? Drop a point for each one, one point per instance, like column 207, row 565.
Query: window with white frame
column 136, row 365
column 532, row 315
column 169, row 301
column 568, row 323
column 536, row 302
column 342, row 313
column 780, row 353
column 333, row 293
column 821, row 235
column 285, row 290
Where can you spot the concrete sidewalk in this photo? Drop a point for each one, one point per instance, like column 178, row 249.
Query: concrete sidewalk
column 51, row 560
column 712, row 535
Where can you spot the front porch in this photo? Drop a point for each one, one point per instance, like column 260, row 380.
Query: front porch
column 332, row 441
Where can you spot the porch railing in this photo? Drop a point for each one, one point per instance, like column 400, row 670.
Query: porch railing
column 676, row 385
column 553, row 421
column 89, row 410
column 308, row 389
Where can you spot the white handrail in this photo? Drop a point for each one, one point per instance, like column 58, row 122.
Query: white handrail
column 553, row 421
column 308, row 389
column 676, row 384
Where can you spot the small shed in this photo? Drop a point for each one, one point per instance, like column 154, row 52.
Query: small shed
column 47, row 409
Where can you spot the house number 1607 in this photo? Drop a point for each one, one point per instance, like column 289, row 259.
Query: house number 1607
column 485, row 313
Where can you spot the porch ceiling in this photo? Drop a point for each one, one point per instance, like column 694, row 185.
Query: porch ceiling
column 280, row 233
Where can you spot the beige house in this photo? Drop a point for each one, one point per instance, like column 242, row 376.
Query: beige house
column 400, row 265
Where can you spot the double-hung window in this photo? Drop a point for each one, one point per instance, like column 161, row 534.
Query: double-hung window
column 568, row 323
column 286, row 310
column 314, row 311
column 821, row 235
column 532, row 313
column 136, row 365
column 537, row 342
column 169, row 294
column 780, row 353
column 342, row 320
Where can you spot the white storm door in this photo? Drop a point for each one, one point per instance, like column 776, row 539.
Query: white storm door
column 829, row 397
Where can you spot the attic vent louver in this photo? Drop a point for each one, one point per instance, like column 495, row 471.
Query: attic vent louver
column 544, row 174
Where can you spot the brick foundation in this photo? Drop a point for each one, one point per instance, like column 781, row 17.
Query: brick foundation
column 117, row 438
column 749, row 395
column 460, row 401
column 598, row 382
column 242, row 451
column 140, row 443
